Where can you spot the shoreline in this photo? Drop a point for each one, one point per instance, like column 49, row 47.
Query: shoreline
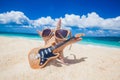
column 79, row 43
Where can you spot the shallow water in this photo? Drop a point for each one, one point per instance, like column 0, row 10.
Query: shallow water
column 101, row 41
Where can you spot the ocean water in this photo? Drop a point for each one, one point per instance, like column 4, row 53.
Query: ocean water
column 100, row 41
column 21, row 35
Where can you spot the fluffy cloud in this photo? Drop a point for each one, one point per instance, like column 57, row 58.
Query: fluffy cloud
column 15, row 17
column 70, row 20
column 91, row 20
column 43, row 21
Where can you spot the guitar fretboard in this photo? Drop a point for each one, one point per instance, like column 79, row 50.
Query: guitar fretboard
column 62, row 43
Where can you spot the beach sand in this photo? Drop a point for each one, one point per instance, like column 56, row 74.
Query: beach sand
column 85, row 62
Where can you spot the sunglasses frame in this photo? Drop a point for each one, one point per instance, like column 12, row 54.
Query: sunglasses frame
column 49, row 34
column 63, row 38
column 54, row 32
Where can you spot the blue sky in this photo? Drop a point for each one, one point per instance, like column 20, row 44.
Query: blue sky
column 93, row 17
column 57, row 8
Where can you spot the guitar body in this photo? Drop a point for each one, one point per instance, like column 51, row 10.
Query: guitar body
column 39, row 57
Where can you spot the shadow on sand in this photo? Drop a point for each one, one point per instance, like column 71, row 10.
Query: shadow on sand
column 68, row 61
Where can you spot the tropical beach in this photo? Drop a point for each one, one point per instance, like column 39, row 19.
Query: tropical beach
column 83, row 62
column 60, row 40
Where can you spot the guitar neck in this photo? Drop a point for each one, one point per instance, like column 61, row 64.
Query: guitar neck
column 62, row 43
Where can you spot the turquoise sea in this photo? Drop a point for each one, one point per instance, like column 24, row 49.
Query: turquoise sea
column 100, row 41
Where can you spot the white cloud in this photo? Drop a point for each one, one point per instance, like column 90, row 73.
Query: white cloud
column 43, row 21
column 100, row 31
column 16, row 17
column 91, row 20
column 111, row 23
column 90, row 32
column 70, row 20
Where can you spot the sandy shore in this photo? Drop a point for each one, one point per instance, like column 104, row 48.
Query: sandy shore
column 86, row 62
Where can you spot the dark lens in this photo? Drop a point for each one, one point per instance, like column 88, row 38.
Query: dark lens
column 61, row 33
column 46, row 32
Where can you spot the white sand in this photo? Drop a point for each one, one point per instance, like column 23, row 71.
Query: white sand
column 86, row 62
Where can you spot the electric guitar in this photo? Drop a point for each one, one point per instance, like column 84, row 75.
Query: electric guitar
column 38, row 58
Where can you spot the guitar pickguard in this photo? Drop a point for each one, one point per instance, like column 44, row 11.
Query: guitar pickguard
column 45, row 54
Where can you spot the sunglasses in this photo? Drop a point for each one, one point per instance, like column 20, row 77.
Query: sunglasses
column 59, row 34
